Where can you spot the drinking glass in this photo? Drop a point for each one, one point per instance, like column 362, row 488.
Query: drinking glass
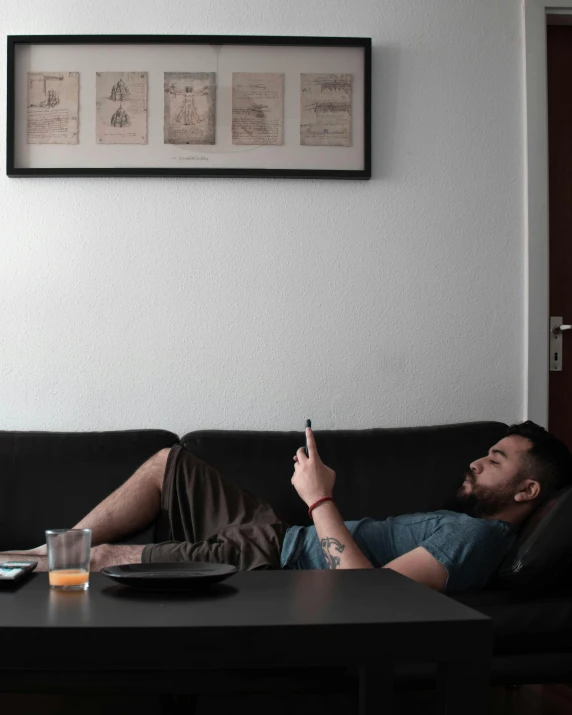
column 68, row 558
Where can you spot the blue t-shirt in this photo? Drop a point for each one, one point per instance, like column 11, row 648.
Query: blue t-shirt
column 470, row 549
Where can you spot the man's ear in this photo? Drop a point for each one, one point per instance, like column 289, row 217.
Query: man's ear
column 528, row 490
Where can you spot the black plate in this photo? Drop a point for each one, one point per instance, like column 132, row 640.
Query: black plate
column 173, row 576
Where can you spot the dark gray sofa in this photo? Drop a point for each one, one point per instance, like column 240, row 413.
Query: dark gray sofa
column 51, row 480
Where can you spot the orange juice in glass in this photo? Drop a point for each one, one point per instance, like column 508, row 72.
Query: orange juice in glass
column 68, row 558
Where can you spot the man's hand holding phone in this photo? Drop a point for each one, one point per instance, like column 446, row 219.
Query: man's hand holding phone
column 312, row 479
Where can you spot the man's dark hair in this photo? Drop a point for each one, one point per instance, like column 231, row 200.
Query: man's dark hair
column 548, row 461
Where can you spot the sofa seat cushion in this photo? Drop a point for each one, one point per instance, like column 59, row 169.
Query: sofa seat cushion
column 525, row 624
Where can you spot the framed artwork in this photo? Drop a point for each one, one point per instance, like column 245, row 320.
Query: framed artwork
column 189, row 105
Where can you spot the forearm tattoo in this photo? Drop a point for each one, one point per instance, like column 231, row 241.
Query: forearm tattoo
column 332, row 560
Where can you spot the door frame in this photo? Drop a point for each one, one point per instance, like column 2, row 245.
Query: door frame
column 536, row 279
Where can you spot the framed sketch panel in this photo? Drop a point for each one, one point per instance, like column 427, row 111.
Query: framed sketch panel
column 189, row 105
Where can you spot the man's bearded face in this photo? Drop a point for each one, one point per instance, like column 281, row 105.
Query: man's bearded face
column 490, row 485
column 484, row 500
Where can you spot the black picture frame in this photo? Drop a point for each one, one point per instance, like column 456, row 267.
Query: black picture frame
column 14, row 169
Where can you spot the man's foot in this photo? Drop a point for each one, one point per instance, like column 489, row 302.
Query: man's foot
column 38, row 551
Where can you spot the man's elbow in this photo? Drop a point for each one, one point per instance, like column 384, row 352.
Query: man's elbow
column 436, row 582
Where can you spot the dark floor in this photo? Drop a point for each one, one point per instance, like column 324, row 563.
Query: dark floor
column 523, row 700
column 533, row 700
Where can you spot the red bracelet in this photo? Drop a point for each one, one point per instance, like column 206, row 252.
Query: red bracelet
column 315, row 504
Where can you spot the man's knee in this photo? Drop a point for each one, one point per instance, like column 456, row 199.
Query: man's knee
column 160, row 463
column 163, row 454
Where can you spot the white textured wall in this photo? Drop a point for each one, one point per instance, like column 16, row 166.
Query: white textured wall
column 252, row 304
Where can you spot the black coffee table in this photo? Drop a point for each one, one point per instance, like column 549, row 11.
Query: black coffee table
column 115, row 638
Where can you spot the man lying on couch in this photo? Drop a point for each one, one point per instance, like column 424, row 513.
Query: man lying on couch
column 202, row 516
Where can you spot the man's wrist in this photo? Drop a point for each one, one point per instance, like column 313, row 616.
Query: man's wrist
column 320, row 502
column 316, row 498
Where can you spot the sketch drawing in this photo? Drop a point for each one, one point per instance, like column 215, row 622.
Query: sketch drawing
column 120, row 118
column 53, row 107
column 52, row 100
column 119, row 92
column 325, row 109
column 257, row 108
column 189, row 107
column 126, row 123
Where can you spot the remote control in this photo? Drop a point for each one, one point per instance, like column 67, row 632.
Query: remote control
column 13, row 572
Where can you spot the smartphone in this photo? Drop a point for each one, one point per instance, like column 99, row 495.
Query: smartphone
column 308, row 424
column 14, row 572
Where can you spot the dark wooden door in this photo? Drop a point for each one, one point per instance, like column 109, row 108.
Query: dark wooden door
column 559, row 62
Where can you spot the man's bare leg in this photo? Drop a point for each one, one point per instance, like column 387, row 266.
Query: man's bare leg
column 130, row 508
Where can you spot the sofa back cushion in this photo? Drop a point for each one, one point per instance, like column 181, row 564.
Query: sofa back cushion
column 542, row 556
column 51, row 480
column 379, row 472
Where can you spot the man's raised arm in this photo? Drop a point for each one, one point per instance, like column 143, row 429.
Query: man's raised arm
column 313, row 480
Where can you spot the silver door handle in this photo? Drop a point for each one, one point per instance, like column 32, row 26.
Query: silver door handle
column 556, row 343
